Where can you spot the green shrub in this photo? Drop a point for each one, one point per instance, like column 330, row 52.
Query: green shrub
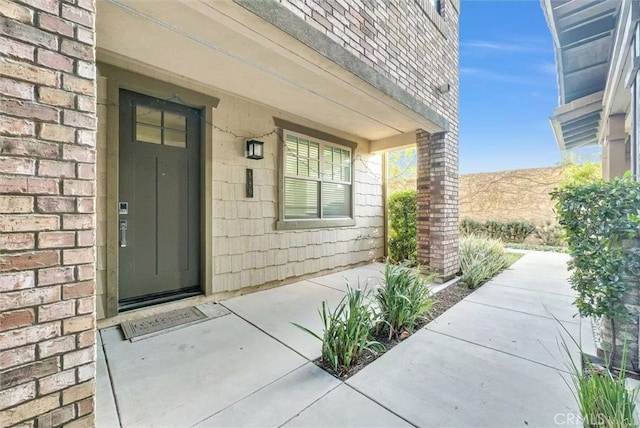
column 347, row 331
column 600, row 219
column 550, row 233
column 494, row 229
column 403, row 299
column 403, row 226
column 471, row 227
column 510, row 231
column 536, row 247
column 577, row 172
column 597, row 219
column 517, row 231
column 480, row 259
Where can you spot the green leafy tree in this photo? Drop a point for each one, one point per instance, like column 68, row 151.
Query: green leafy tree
column 403, row 226
column 577, row 171
column 401, row 169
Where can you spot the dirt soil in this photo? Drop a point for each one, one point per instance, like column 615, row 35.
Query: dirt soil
column 443, row 300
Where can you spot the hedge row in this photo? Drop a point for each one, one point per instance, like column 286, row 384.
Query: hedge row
column 510, row 231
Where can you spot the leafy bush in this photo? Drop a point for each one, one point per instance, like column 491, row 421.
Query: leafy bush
column 511, row 231
column 404, row 297
column 403, row 226
column 535, row 247
column 516, row 231
column 347, row 331
column 494, row 229
column 577, row 172
column 600, row 220
column 480, row 259
column 550, row 233
column 597, row 219
column 471, row 227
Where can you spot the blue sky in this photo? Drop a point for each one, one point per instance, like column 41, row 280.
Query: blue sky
column 508, row 87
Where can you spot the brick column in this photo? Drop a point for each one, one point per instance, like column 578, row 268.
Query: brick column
column 47, row 217
column 438, row 203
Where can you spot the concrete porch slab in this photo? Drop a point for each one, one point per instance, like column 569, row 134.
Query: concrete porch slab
column 527, row 301
column 106, row 412
column 276, row 403
column 184, row 376
column 436, row 380
column 545, row 263
column 527, row 336
column 368, row 276
column 274, row 310
column 542, row 282
column 344, row 407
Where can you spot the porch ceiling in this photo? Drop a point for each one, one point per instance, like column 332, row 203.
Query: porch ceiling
column 583, row 33
column 226, row 47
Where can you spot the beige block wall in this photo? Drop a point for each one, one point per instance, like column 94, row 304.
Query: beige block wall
column 521, row 194
column 247, row 250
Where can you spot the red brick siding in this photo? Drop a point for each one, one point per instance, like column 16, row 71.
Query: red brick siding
column 47, row 221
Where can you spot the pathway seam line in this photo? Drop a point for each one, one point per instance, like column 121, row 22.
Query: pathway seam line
column 516, row 311
column 380, row 404
column 500, row 351
column 250, row 394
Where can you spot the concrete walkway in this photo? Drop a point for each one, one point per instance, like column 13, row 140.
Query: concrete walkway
column 493, row 360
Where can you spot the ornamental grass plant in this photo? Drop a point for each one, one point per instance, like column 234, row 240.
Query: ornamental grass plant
column 480, row 259
column 403, row 299
column 603, row 396
column 347, row 331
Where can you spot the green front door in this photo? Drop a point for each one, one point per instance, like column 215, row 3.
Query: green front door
column 159, row 206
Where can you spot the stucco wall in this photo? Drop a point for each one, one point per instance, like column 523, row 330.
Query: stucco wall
column 521, row 194
column 247, row 249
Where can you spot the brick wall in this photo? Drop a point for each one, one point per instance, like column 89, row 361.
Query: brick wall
column 407, row 41
column 416, row 47
column 47, row 220
column 437, row 186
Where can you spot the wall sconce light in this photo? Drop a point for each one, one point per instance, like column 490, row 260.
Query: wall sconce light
column 255, row 149
column 444, row 88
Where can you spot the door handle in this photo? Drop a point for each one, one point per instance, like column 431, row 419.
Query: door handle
column 123, row 233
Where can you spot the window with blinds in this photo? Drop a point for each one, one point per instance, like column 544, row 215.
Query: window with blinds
column 317, row 179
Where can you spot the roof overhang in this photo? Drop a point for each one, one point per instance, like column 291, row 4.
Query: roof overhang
column 225, row 46
column 583, row 35
column 576, row 124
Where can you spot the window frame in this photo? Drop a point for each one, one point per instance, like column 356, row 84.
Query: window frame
column 288, row 128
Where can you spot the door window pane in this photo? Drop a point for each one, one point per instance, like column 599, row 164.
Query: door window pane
column 175, row 121
column 160, row 127
column 148, row 115
column 148, row 134
column 175, row 138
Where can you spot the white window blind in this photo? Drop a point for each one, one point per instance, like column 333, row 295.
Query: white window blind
column 317, row 179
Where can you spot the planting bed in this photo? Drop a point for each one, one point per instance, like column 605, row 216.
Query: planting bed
column 443, row 300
